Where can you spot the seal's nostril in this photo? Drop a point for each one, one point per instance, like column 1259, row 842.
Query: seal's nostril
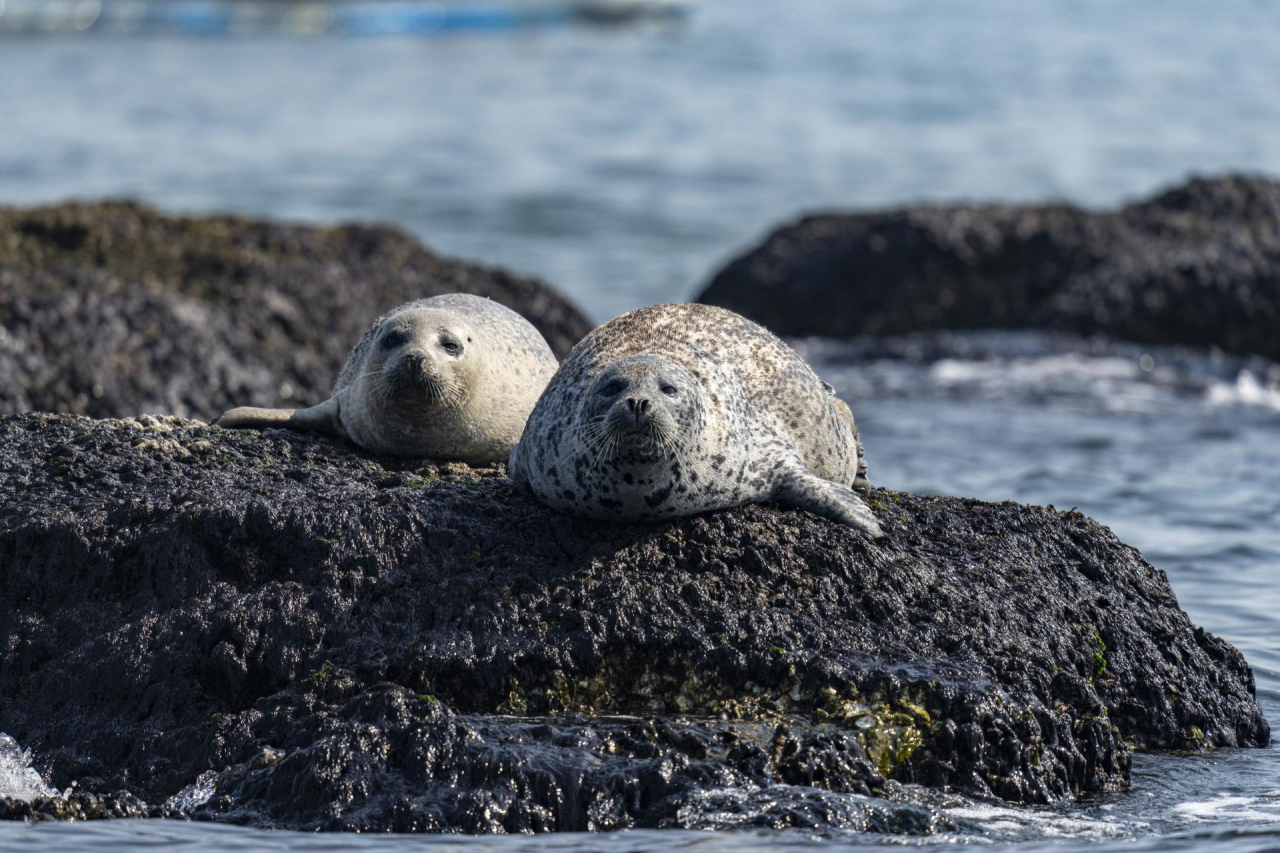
column 639, row 407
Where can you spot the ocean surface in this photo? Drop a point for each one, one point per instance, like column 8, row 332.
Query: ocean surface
column 626, row 164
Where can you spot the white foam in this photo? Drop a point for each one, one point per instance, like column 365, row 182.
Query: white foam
column 1247, row 390
column 1044, row 823
column 195, row 795
column 18, row 779
column 1075, row 366
column 1231, row 808
column 1118, row 384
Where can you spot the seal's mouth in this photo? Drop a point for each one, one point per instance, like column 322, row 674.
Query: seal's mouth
column 639, row 440
column 414, row 379
column 619, row 437
column 636, row 437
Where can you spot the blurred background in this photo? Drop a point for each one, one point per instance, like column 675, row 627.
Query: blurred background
column 623, row 153
column 625, row 162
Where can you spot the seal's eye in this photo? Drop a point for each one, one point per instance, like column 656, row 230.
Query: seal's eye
column 612, row 389
column 670, row 390
column 394, row 338
column 450, row 347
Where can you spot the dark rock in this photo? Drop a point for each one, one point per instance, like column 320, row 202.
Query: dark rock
column 1223, row 293
column 114, row 309
column 268, row 628
column 1197, row 265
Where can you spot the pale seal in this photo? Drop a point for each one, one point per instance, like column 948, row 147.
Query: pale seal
column 678, row 409
column 450, row 377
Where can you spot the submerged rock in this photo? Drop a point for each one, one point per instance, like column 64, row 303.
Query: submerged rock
column 111, row 309
column 1197, row 265
column 273, row 629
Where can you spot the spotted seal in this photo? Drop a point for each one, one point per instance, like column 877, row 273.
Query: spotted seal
column 677, row 409
column 449, row 377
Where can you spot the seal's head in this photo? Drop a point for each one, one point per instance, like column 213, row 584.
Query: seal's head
column 641, row 409
column 421, row 359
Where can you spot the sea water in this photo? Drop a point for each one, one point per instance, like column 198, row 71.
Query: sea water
column 625, row 165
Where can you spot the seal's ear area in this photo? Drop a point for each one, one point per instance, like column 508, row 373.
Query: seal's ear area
column 798, row 488
column 322, row 418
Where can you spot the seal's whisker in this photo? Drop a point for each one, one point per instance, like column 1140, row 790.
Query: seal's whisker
column 602, row 445
column 589, row 436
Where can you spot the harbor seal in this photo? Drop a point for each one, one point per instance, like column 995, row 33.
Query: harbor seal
column 677, row 409
column 450, row 377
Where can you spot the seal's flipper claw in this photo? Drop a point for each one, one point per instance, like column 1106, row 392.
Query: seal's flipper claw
column 322, row 418
column 799, row 488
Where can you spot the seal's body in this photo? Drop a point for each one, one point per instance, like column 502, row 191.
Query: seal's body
column 678, row 409
column 451, row 377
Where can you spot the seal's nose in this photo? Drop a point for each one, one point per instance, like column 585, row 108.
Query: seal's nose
column 419, row 362
column 639, row 408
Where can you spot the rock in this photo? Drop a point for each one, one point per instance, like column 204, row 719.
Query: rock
column 1197, row 265
column 76, row 806
column 114, row 309
column 271, row 629
column 1223, row 294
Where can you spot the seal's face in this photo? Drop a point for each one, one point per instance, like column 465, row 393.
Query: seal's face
column 641, row 409
column 421, row 358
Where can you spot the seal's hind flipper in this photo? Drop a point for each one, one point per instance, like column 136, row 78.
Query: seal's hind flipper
column 860, row 482
column 322, row 418
column 799, row 488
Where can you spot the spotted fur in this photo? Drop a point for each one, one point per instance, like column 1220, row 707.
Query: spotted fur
column 678, row 409
column 450, row 377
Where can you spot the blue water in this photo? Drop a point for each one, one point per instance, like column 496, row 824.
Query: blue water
column 626, row 164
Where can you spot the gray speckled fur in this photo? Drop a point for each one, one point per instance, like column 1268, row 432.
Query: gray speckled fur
column 741, row 417
column 489, row 387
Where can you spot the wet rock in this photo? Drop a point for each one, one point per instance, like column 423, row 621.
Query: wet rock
column 271, row 629
column 1197, row 265
column 114, row 309
column 76, row 806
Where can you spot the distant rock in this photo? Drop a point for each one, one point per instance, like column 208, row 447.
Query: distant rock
column 272, row 629
column 114, row 309
column 1197, row 265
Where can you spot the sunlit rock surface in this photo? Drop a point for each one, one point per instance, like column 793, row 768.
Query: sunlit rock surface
column 113, row 309
column 273, row 629
column 1196, row 265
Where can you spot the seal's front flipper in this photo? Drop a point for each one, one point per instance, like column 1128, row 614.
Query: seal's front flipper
column 321, row 418
column 799, row 488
